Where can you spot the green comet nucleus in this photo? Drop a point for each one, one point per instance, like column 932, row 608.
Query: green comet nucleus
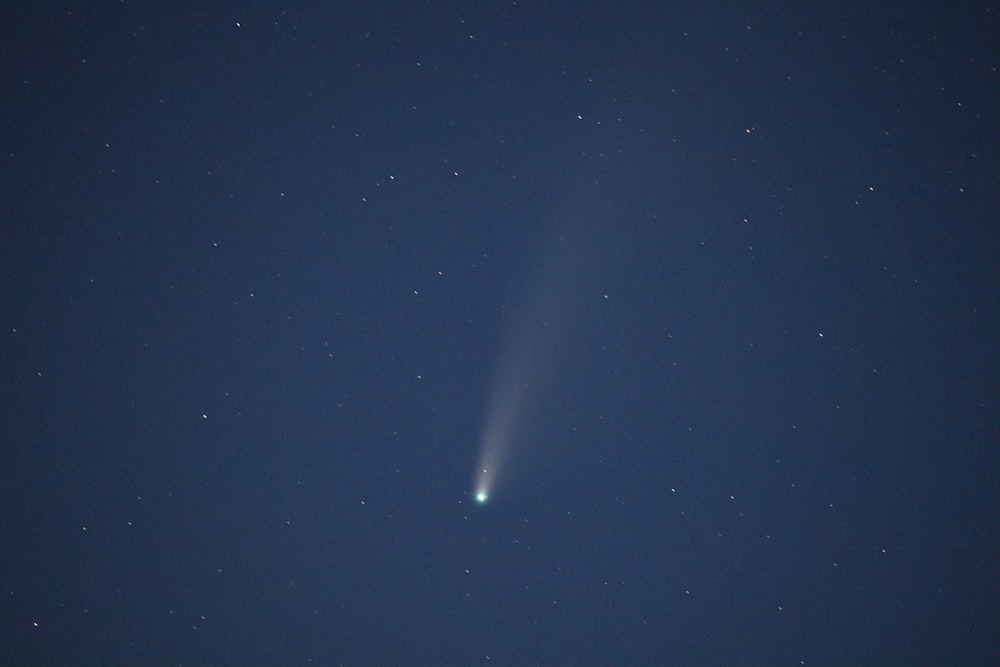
column 481, row 497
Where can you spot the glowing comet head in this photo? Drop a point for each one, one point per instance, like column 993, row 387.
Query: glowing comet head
column 482, row 493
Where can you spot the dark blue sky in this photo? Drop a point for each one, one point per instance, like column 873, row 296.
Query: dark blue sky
column 725, row 277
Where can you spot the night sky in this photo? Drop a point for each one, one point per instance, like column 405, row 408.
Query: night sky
column 711, row 292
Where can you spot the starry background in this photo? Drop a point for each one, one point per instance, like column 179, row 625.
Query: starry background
column 261, row 265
